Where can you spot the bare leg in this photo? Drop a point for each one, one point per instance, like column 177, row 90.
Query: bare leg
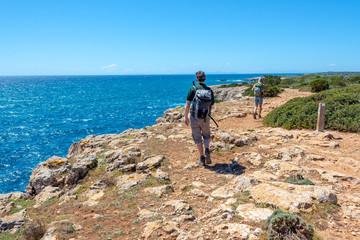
column 260, row 108
column 206, row 143
column 255, row 109
column 200, row 149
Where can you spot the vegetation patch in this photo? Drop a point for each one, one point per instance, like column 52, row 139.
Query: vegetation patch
column 20, row 204
column 285, row 225
column 342, row 111
column 34, row 230
column 273, row 87
column 298, row 179
column 229, row 85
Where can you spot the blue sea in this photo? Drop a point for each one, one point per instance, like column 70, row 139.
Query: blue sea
column 41, row 116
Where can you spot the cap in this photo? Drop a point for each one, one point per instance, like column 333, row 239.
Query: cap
column 200, row 75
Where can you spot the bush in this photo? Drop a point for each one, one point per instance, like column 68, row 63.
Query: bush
column 355, row 79
column 342, row 111
column 271, row 80
column 298, row 179
column 229, row 85
column 272, row 91
column 319, row 85
column 285, row 225
column 338, row 81
column 34, row 230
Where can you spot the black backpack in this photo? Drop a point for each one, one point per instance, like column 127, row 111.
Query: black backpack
column 201, row 106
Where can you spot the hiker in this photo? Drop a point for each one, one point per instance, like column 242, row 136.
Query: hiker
column 259, row 95
column 202, row 97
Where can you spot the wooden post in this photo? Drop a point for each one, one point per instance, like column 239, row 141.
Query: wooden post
column 321, row 118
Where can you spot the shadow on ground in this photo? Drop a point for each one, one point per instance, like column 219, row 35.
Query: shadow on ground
column 227, row 168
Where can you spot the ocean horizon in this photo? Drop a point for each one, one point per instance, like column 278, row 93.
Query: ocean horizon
column 41, row 116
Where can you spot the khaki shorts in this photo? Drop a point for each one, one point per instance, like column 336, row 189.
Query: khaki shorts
column 200, row 129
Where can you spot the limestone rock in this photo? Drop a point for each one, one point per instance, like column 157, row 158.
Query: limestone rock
column 52, row 172
column 150, row 227
column 250, row 213
column 291, row 197
column 146, row 214
column 175, row 207
column 172, row 115
column 218, row 214
column 80, row 168
column 149, row 163
column 313, row 157
column 160, row 175
column 47, row 193
column 238, row 231
column 252, row 157
column 160, row 191
column 12, row 221
column 128, row 181
column 238, row 185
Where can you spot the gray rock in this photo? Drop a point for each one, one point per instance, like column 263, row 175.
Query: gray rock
column 52, row 172
column 12, row 221
column 80, row 168
column 149, row 163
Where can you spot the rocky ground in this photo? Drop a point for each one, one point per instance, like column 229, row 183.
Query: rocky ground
column 146, row 183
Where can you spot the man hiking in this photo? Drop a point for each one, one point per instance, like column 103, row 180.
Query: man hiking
column 259, row 95
column 203, row 99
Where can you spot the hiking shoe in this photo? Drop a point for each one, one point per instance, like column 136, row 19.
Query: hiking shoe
column 259, row 116
column 254, row 115
column 207, row 156
column 202, row 161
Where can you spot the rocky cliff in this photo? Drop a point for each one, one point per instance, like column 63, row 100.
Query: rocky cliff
column 146, row 183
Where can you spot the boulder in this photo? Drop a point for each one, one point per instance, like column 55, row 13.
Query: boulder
column 52, row 172
column 47, row 193
column 149, row 163
column 160, row 191
column 291, row 197
column 127, row 181
column 80, row 168
column 236, row 186
column 251, row 213
column 12, row 221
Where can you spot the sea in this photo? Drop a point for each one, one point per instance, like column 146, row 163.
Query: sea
column 41, row 116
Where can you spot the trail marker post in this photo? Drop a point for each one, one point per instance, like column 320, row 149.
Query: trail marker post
column 321, row 118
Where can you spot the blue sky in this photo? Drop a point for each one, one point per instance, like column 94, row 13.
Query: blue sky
column 178, row 37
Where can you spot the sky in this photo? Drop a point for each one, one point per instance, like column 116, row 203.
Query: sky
column 93, row 37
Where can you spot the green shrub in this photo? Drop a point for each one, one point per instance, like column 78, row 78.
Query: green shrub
column 285, row 225
column 272, row 91
column 319, row 85
column 34, row 230
column 271, row 80
column 355, row 79
column 338, row 81
column 229, row 85
column 342, row 111
column 298, row 179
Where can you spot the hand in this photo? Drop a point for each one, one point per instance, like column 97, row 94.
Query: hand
column 186, row 121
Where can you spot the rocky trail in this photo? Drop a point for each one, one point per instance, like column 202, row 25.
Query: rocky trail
column 146, row 183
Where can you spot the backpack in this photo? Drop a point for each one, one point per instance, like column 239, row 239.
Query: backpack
column 201, row 106
column 258, row 90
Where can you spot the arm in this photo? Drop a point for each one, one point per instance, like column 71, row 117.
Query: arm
column 187, row 109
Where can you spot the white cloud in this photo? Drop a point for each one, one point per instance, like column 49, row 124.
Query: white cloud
column 332, row 65
column 111, row 66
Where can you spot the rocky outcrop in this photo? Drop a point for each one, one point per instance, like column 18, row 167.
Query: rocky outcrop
column 225, row 94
